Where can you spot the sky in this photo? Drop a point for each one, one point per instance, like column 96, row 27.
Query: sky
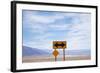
column 41, row 28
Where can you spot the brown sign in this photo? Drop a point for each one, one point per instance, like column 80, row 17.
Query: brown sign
column 59, row 45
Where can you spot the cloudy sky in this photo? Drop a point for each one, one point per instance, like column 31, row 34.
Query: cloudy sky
column 41, row 28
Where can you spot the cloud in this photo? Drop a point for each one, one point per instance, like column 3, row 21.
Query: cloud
column 33, row 16
column 45, row 27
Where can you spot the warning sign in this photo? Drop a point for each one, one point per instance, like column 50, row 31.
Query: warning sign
column 55, row 53
column 59, row 45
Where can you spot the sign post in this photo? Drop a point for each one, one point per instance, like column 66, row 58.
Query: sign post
column 63, row 54
column 59, row 45
column 55, row 53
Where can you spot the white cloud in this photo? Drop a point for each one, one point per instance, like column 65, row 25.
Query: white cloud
column 34, row 17
column 78, row 37
column 40, row 44
column 59, row 27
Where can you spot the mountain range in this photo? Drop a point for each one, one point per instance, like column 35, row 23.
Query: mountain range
column 28, row 51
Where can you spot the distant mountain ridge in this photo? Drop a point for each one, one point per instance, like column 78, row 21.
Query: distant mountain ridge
column 78, row 52
column 28, row 51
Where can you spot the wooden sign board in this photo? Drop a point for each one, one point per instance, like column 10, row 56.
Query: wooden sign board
column 59, row 44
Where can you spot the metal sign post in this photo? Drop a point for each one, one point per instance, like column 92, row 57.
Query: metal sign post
column 59, row 45
column 63, row 54
column 55, row 53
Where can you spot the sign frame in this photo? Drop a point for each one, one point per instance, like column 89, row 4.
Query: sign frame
column 62, row 43
column 14, row 34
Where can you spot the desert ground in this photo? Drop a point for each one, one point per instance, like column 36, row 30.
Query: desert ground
column 30, row 59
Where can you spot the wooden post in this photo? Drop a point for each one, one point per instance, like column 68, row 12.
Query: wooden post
column 55, row 58
column 63, row 54
column 55, row 53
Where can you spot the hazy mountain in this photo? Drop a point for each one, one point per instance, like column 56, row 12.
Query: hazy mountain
column 73, row 52
column 28, row 51
column 78, row 52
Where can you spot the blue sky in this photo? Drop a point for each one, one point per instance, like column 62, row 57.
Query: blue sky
column 41, row 28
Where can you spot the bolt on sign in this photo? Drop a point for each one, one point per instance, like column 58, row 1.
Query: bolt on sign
column 59, row 45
